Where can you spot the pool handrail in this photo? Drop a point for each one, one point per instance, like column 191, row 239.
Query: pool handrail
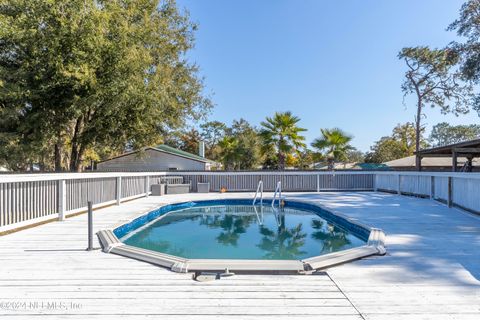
column 259, row 189
column 278, row 190
column 259, row 217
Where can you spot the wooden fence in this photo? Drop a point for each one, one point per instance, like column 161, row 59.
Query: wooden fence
column 460, row 190
column 291, row 180
column 32, row 198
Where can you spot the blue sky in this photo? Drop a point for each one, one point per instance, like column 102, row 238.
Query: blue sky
column 332, row 63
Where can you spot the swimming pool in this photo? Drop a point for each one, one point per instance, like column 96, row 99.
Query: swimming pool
column 232, row 234
column 242, row 231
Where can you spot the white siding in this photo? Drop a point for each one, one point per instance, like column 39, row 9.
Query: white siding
column 150, row 160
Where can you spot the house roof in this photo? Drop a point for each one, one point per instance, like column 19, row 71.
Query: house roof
column 428, row 162
column 372, row 166
column 181, row 153
column 167, row 149
column 351, row 166
column 447, row 150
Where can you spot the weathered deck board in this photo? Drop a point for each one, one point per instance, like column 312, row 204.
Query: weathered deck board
column 432, row 268
column 49, row 264
column 431, row 271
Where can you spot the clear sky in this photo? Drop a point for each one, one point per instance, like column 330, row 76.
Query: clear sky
column 332, row 63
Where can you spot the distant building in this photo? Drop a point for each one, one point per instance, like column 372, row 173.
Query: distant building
column 430, row 164
column 463, row 156
column 159, row 158
column 351, row 166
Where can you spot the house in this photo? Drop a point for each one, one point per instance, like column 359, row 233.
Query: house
column 430, row 164
column 158, row 158
column 463, row 156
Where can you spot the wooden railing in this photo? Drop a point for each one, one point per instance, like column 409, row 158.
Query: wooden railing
column 292, row 181
column 32, row 198
column 460, row 190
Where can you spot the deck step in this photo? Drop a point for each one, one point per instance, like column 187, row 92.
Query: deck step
column 337, row 258
column 245, row 265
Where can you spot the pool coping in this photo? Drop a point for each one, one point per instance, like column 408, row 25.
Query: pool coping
column 375, row 246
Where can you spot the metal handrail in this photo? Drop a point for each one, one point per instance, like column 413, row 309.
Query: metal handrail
column 278, row 190
column 259, row 217
column 259, row 188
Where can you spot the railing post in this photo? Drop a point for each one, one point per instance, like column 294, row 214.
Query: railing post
column 432, row 187
column 450, row 192
column 399, row 188
column 147, row 186
column 318, row 182
column 119, row 190
column 62, row 199
column 375, row 176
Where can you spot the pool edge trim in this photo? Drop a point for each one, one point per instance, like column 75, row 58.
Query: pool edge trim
column 375, row 246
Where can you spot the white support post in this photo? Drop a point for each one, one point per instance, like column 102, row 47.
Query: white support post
column 432, row 187
column 147, row 186
column 318, row 183
column 119, row 190
column 399, row 188
column 62, row 199
column 450, row 192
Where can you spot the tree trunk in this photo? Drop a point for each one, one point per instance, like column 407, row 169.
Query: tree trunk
column 418, row 160
column 331, row 164
column 75, row 151
column 58, row 156
column 281, row 155
column 78, row 163
column 281, row 161
column 73, row 158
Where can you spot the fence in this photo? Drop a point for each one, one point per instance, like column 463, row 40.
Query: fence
column 291, row 180
column 454, row 189
column 32, row 198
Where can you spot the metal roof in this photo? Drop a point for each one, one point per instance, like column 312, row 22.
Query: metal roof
column 428, row 162
column 449, row 149
column 166, row 149
column 181, row 153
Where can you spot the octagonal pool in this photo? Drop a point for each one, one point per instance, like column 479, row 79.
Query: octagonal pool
column 234, row 229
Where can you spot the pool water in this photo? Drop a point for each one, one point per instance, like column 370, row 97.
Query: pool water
column 242, row 232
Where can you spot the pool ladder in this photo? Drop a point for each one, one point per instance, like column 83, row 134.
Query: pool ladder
column 279, row 214
column 259, row 189
column 276, row 196
column 278, row 191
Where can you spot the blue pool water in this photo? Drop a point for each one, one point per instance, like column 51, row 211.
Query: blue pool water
column 237, row 230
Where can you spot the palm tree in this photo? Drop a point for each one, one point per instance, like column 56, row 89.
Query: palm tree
column 330, row 236
column 284, row 243
column 334, row 144
column 228, row 152
column 282, row 133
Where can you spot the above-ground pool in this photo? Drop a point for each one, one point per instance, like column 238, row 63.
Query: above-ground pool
column 241, row 231
column 236, row 235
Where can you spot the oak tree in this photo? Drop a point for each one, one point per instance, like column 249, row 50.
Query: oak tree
column 83, row 76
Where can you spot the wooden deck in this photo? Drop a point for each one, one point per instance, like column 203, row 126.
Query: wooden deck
column 431, row 272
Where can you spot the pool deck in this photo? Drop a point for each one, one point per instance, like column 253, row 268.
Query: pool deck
column 431, row 271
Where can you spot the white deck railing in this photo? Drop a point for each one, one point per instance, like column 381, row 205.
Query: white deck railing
column 31, row 198
column 455, row 189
